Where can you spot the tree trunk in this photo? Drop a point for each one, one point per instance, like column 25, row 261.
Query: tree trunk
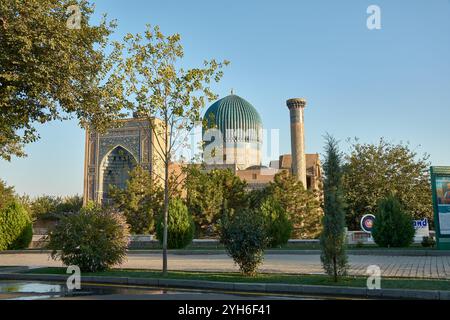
column 166, row 214
column 166, row 191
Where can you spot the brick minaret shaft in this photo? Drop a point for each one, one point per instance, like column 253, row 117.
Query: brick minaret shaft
column 296, row 107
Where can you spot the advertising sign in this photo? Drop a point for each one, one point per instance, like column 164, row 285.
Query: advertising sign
column 367, row 223
column 422, row 228
column 440, row 183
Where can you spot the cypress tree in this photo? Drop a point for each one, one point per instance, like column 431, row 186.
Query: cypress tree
column 333, row 257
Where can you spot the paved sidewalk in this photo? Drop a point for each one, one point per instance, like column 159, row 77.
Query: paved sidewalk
column 437, row 267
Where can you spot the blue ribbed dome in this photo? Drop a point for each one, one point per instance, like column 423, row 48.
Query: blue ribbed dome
column 234, row 112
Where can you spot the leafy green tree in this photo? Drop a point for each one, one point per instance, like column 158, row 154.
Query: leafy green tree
column 332, row 240
column 393, row 226
column 233, row 188
column 140, row 201
column 375, row 171
column 256, row 197
column 70, row 204
column 44, row 207
column 7, row 194
column 181, row 226
column 16, row 229
column 277, row 223
column 47, row 207
column 204, row 199
column 50, row 71
column 302, row 205
column 93, row 239
column 245, row 239
column 154, row 86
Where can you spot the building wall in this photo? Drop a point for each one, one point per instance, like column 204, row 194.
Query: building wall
column 103, row 161
column 242, row 154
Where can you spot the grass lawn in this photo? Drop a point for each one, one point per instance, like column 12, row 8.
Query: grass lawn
column 394, row 283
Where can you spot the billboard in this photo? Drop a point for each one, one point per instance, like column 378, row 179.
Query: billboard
column 440, row 183
column 442, row 186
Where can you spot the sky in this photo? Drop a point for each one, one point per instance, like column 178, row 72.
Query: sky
column 393, row 82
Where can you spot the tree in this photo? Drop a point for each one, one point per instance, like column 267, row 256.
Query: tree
column 302, row 205
column 204, row 199
column 393, row 227
column 234, row 195
column 140, row 201
column 244, row 237
column 7, row 194
column 49, row 71
column 209, row 193
column 332, row 239
column 154, row 86
column 70, row 204
column 44, row 207
column 180, row 225
column 375, row 171
column 277, row 224
column 51, row 208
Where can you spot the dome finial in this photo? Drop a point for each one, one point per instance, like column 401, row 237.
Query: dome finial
column 232, row 91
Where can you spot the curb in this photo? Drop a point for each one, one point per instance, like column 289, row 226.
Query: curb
column 362, row 252
column 247, row 287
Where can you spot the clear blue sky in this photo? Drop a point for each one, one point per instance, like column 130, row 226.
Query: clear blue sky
column 393, row 82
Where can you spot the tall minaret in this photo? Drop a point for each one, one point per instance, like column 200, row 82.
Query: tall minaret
column 296, row 107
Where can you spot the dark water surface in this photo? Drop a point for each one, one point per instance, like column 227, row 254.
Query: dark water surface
column 33, row 290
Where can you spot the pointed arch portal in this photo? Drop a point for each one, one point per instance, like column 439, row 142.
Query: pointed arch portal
column 115, row 170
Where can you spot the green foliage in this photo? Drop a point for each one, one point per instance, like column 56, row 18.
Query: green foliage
column 180, row 226
column 93, row 239
column 53, row 208
column 140, row 201
column 208, row 193
column 375, row 171
column 232, row 187
column 332, row 240
column 393, row 226
column 24, row 239
column 204, row 199
column 277, row 224
column 7, row 194
column 49, row 71
column 302, row 205
column 69, row 204
column 43, row 206
column 428, row 242
column 244, row 237
column 15, row 227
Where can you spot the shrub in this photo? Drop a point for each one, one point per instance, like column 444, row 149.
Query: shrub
column 393, row 227
column 428, row 242
column 93, row 239
column 244, row 236
column 277, row 224
column 180, row 225
column 16, row 230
